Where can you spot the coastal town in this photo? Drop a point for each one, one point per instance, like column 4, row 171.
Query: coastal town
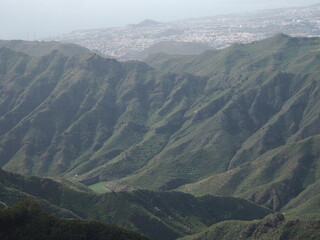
column 218, row 32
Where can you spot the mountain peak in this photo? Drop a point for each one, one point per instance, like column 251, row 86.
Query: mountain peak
column 147, row 22
column 281, row 36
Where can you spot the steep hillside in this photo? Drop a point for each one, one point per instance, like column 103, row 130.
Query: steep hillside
column 159, row 215
column 25, row 220
column 306, row 204
column 273, row 226
column 272, row 179
column 184, row 122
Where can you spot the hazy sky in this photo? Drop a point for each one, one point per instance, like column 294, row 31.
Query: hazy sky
column 23, row 19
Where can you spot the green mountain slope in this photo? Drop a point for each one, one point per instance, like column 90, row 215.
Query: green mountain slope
column 187, row 120
column 306, row 204
column 26, row 221
column 271, row 227
column 253, row 104
column 159, row 215
column 272, row 179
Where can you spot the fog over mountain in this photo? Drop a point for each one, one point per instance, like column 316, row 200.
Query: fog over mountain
column 36, row 19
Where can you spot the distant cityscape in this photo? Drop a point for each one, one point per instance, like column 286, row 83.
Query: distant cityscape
column 218, row 31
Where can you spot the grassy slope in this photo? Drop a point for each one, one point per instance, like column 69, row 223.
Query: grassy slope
column 25, row 220
column 273, row 179
column 306, row 204
column 271, row 227
column 99, row 187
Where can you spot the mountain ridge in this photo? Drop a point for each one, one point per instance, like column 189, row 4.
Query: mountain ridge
column 24, row 219
column 158, row 215
column 179, row 121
